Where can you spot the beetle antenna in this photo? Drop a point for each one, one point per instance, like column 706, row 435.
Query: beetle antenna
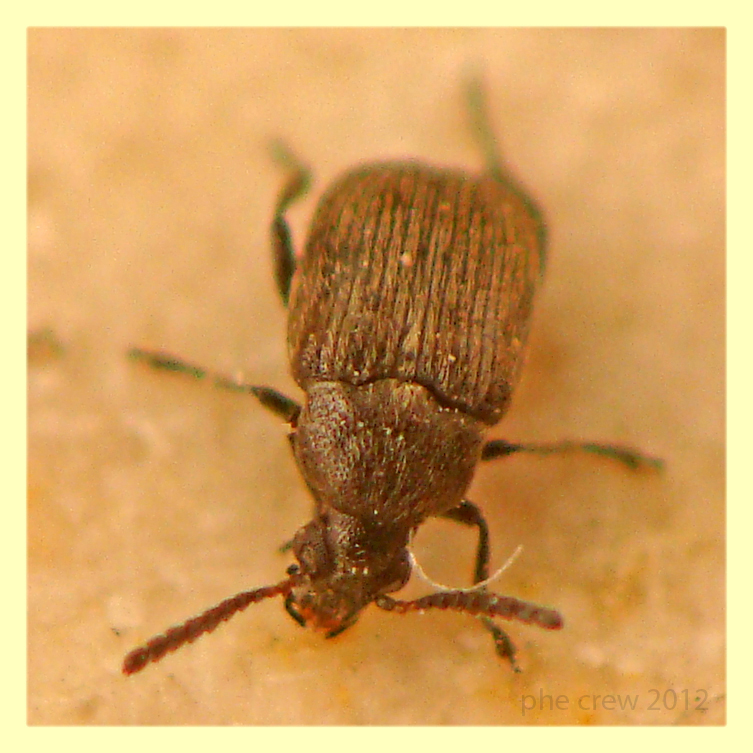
column 483, row 603
column 187, row 632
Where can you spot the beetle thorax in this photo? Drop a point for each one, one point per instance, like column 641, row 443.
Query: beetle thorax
column 386, row 453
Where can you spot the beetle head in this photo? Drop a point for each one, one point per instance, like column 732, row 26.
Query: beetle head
column 342, row 568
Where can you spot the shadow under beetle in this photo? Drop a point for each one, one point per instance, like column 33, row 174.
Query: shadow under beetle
column 409, row 314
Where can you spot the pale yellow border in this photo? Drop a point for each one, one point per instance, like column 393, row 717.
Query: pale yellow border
column 740, row 697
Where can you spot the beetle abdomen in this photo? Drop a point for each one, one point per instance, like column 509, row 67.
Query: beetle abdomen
column 422, row 275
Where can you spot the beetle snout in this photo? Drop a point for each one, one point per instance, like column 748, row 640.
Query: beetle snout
column 327, row 610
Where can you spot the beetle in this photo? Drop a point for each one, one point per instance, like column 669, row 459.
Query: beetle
column 409, row 315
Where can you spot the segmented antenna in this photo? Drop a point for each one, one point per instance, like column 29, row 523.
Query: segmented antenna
column 478, row 603
column 190, row 630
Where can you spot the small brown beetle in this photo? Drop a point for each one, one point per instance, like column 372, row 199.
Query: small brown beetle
column 409, row 314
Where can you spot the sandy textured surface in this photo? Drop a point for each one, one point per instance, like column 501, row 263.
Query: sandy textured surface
column 151, row 497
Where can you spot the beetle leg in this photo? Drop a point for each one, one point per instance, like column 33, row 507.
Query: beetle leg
column 468, row 514
column 281, row 405
column 633, row 459
column 282, row 242
column 483, row 132
column 503, row 644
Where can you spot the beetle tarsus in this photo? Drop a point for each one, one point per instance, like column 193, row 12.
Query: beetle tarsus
column 503, row 644
column 633, row 459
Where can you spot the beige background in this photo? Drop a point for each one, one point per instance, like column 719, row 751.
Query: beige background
column 152, row 497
